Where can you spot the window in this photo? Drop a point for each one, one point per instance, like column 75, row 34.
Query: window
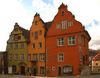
column 60, row 57
column 22, row 45
column 42, row 70
column 16, row 29
column 36, row 35
column 35, row 22
column 69, row 23
column 35, row 57
column 22, row 57
column 10, row 57
column 33, row 46
column 10, row 46
column 33, row 34
column 40, row 45
column 67, row 69
column 60, row 41
column 42, row 57
column 17, row 37
column 62, row 13
column 64, row 24
column 29, row 57
column 40, row 32
column 96, row 64
column 58, row 26
column 71, row 40
column 16, row 46
column 16, row 56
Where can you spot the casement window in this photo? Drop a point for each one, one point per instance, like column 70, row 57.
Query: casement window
column 60, row 57
column 36, row 35
column 71, row 40
column 40, row 45
column 42, row 57
column 17, row 37
column 64, row 24
column 10, row 56
column 69, row 23
column 22, row 45
column 67, row 69
column 29, row 57
column 40, row 32
column 22, row 57
column 16, row 56
column 10, row 46
column 33, row 46
column 32, row 33
column 16, row 29
column 42, row 70
column 35, row 57
column 58, row 26
column 60, row 41
column 35, row 22
column 16, row 46
column 63, row 13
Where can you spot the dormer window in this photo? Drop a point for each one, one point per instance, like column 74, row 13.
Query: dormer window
column 62, row 13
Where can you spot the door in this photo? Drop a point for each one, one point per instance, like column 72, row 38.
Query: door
column 14, row 69
column 59, row 71
column 22, row 70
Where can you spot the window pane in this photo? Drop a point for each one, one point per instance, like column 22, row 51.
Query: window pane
column 60, row 41
column 71, row 40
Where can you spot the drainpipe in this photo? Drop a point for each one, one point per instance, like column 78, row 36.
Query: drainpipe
column 45, row 54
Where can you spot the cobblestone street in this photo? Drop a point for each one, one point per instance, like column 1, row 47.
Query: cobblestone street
column 19, row 76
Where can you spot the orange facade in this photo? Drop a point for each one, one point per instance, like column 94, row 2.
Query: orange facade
column 66, row 45
column 36, row 47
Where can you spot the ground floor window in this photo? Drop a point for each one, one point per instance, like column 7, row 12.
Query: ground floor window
column 42, row 70
column 67, row 69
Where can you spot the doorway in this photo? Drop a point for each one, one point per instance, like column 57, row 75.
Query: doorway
column 59, row 71
column 22, row 70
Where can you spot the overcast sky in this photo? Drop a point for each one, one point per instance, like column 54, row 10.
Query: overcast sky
column 22, row 11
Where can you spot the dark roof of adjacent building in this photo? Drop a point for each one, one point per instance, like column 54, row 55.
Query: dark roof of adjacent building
column 48, row 25
column 97, row 57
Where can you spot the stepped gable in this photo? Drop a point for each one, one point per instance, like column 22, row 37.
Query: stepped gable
column 24, row 32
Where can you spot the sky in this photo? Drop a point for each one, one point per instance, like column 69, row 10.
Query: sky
column 22, row 12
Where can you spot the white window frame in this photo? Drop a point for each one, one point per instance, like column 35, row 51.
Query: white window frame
column 64, row 24
column 71, row 40
column 60, row 57
column 42, row 57
column 60, row 42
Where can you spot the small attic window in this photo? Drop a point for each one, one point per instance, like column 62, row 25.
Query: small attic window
column 62, row 13
column 16, row 29
column 35, row 22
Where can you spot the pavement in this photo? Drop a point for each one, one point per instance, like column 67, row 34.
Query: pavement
column 20, row 76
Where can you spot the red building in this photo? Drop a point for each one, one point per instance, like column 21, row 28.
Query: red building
column 66, row 44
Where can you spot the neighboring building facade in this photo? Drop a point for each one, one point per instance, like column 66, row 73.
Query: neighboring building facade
column 17, row 50
column 96, row 63
column 66, row 45
column 36, row 47
column 3, row 62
